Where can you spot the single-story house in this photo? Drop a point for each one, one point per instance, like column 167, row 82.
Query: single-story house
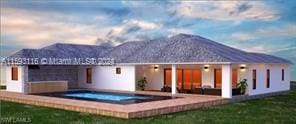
column 184, row 63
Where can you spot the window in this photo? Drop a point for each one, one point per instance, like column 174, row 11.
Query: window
column 88, row 75
column 118, row 70
column 196, row 78
column 254, row 79
column 234, row 78
column 167, row 77
column 187, row 79
column 217, row 78
column 33, row 67
column 179, row 78
column 283, row 74
column 14, row 73
column 267, row 78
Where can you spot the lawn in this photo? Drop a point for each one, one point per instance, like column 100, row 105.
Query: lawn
column 277, row 109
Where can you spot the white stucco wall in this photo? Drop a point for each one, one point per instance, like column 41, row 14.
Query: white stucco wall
column 12, row 85
column 276, row 83
column 105, row 77
column 154, row 77
column 242, row 74
column 2, row 75
column 208, row 77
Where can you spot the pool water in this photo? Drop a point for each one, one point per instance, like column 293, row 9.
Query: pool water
column 104, row 96
column 107, row 97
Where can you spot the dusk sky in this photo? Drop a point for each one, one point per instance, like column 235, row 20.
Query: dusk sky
column 255, row 26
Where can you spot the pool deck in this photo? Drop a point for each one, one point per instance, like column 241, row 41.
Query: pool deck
column 137, row 110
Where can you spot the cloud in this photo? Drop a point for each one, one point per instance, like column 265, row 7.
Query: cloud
column 35, row 29
column 174, row 31
column 31, row 29
column 290, row 48
column 132, row 3
column 138, row 21
column 267, row 32
column 226, row 10
column 258, row 49
column 131, row 29
column 242, row 36
column 265, row 47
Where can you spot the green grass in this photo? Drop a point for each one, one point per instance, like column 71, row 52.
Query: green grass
column 277, row 109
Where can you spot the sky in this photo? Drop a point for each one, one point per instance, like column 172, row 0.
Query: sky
column 254, row 26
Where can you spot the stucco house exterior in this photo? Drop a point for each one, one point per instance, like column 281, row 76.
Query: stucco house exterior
column 181, row 62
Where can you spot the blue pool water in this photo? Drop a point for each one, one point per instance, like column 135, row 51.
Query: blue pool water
column 104, row 96
column 107, row 97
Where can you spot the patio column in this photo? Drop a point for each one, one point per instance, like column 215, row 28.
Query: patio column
column 226, row 81
column 174, row 81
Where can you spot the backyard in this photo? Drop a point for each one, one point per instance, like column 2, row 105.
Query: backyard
column 277, row 109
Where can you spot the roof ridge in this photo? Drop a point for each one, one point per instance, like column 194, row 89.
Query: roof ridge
column 75, row 44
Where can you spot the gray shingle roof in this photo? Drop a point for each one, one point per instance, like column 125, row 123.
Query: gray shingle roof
column 182, row 48
column 60, row 50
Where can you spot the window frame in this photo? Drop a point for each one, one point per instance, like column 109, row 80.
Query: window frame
column 88, row 75
column 283, row 74
column 165, row 79
column 118, row 70
column 218, row 77
column 14, row 72
column 254, row 79
column 268, row 78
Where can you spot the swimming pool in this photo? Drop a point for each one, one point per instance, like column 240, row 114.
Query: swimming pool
column 108, row 97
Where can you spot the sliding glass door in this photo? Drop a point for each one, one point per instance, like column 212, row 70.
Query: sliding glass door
column 167, row 77
column 196, row 78
column 179, row 78
column 218, row 78
column 234, row 78
column 187, row 82
column 187, row 79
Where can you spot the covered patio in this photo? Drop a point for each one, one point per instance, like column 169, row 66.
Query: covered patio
column 209, row 79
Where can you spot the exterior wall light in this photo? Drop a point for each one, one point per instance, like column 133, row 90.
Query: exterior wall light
column 242, row 68
column 206, row 67
column 156, row 67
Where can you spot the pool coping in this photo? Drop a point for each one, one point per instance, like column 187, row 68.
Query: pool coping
column 137, row 110
column 150, row 97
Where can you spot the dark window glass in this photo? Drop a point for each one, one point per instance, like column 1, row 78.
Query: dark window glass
column 118, row 70
column 283, row 74
column 254, row 79
column 33, row 67
column 267, row 78
column 14, row 73
column 88, row 75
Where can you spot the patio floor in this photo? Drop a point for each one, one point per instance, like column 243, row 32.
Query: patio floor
column 146, row 109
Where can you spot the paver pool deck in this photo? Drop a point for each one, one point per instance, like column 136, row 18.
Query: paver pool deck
column 137, row 110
